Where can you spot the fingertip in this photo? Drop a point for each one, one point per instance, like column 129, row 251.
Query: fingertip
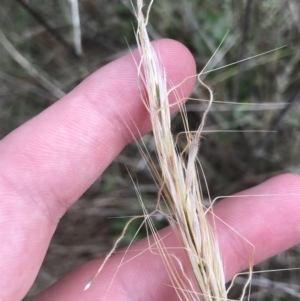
column 63, row 150
column 287, row 181
column 179, row 63
column 176, row 55
column 264, row 219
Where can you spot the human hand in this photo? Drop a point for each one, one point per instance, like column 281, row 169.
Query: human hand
column 47, row 163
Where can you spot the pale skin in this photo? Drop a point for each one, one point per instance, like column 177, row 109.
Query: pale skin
column 47, row 163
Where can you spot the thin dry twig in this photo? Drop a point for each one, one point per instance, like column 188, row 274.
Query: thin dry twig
column 243, row 48
column 23, row 62
column 276, row 123
column 76, row 26
column 48, row 27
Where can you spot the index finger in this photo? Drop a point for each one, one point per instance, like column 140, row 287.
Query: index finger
column 51, row 160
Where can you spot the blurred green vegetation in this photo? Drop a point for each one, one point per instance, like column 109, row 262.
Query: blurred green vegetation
column 265, row 89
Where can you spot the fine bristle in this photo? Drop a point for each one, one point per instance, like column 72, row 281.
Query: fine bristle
column 88, row 285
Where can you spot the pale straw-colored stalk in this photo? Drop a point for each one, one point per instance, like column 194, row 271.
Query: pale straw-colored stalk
column 179, row 186
column 179, row 180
